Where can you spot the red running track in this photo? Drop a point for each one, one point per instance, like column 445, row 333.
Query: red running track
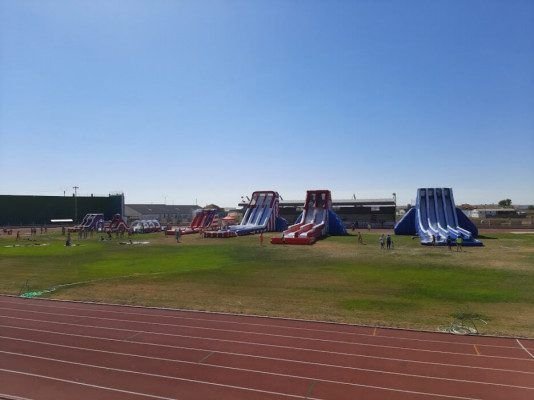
column 68, row 350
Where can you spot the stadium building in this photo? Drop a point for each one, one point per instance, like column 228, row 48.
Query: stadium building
column 164, row 213
column 22, row 210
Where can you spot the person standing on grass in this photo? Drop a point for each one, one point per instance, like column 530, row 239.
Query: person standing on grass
column 177, row 233
column 18, row 236
column 360, row 239
column 382, row 240
column 449, row 242
column 261, row 239
column 389, row 242
column 459, row 243
column 433, row 240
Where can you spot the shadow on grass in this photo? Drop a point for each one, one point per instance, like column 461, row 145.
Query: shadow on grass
column 486, row 237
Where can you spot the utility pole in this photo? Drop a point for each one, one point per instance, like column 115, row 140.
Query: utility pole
column 75, row 203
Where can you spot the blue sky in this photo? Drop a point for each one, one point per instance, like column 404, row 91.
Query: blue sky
column 212, row 100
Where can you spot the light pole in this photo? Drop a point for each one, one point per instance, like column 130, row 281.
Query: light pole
column 75, row 203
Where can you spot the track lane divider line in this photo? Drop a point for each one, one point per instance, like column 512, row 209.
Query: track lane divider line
column 270, row 359
column 244, row 323
column 279, row 336
column 233, row 331
column 4, row 396
column 239, row 387
column 281, row 347
column 84, row 384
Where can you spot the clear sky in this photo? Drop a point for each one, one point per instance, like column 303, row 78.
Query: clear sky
column 212, row 100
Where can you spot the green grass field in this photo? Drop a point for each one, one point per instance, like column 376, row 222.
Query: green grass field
column 334, row 280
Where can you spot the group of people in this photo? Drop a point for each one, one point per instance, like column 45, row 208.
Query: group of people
column 85, row 233
column 385, row 240
column 450, row 242
column 33, row 232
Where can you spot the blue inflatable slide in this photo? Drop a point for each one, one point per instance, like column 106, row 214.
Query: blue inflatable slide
column 435, row 215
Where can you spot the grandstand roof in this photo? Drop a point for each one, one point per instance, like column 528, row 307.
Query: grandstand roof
column 146, row 209
column 347, row 202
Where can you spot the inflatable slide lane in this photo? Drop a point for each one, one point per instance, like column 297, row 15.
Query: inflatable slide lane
column 203, row 220
column 316, row 221
column 435, row 216
column 90, row 222
column 117, row 224
column 261, row 215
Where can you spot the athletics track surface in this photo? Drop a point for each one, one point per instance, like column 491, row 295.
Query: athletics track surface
column 67, row 350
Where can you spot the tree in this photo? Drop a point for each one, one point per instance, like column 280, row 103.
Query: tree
column 505, row 203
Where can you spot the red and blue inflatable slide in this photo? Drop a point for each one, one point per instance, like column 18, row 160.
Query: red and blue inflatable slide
column 316, row 221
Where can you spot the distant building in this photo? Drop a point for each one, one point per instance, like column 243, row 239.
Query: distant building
column 482, row 213
column 164, row 213
column 401, row 210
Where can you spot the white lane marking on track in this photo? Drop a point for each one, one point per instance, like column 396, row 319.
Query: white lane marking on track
column 264, row 334
column 84, row 384
column 524, row 348
column 238, row 387
column 4, row 396
column 246, row 323
column 202, row 361
column 282, row 347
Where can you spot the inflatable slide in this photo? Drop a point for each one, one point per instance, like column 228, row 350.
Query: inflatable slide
column 436, row 217
column 316, row 221
column 261, row 215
